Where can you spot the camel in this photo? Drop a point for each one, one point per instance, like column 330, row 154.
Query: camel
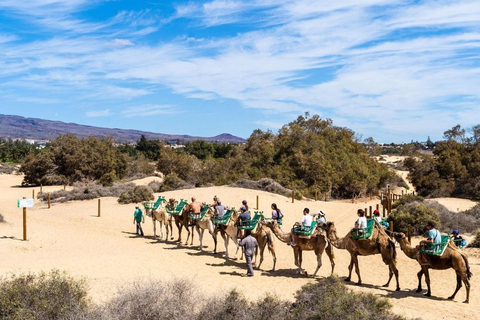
column 181, row 220
column 452, row 257
column 205, row 224
column 163, row 218
column 378, row 243
column 228, row 231
column 317, row 243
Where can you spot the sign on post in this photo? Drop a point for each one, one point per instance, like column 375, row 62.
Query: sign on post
column 25, row 203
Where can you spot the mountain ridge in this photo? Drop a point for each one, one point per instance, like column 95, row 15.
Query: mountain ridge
column 18, row 127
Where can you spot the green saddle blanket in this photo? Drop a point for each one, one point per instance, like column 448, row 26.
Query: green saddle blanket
column 435, row 249
column 252, row 223
column 223, row 219
column 177, row 209
column 304, row 230
column 364, row 233
column 154, row 205
column 201, row 215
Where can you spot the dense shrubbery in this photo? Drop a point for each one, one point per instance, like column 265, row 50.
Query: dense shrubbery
column 69, row 159
column 51, row 295
column 138, row 194
column 87, row 192
column 8, row 168
column 56, row 296
column 454, row 168
column 415, row 214
column 463, row 221
column 15, row 150
column 264, row 184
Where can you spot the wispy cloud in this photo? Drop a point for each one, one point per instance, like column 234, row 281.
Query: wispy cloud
column 98, row 113
column 149, row 110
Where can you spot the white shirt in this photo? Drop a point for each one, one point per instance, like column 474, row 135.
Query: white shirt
column 361, row 223
column 321, row 219
column 307, row 220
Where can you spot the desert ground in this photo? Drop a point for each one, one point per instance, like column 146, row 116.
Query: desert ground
column 107, row 253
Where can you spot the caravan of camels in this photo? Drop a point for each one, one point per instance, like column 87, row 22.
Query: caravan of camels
column 317, row 236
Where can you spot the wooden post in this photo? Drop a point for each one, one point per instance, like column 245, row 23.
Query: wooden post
column 370, row 212
column 402, row 193
column 378, row 207
column 316, row 195
column 33, row 194
column 353, row 198
column 391, row 229
column 293, row 196
column 40, row 188
column 257, row 203
column 366, row 212
column 24, row 223
column 383, row 211
column 98, row 207
column 326, row 197
column 409, row 234
column 49, row 200
column 64, row 187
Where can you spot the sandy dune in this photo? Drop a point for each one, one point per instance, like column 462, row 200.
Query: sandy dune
column 107, row 253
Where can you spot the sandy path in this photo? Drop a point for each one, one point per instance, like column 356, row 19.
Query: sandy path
column 107, row 253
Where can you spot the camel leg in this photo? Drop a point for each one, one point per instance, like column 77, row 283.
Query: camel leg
column 419, row 276
column 467, row 287
column 357, row 270
column 225, row 241
column 295, row 256
column 350, row 268
column 211, row 230
column 271, row 248
column 200, row 236
column 190, row 234
column 427, row 280
column 179, row 227
column 459, row 285
column 318, row 253
column 331, row 256
column 262, row 250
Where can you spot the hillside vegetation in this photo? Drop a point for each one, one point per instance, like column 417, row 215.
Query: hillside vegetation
column 309, row 155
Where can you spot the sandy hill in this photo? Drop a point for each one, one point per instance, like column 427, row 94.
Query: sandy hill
column 107, row 253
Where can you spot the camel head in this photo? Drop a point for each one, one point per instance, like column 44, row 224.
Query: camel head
column 400, row 237
column 171, row 202
column 331, row 230
column 271, row 223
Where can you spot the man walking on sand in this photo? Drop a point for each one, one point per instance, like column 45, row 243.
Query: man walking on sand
column 249, row 243
column 138, row 218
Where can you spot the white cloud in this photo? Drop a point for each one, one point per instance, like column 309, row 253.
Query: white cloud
column 149, row 110
column 98, row 113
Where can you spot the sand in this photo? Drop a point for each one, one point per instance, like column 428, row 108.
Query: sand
column 107, row 253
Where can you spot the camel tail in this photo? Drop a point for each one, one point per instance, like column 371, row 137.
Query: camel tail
column 469, row 273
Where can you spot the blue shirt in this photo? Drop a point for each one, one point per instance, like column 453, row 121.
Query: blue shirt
column 435, row 235
column 138, row 215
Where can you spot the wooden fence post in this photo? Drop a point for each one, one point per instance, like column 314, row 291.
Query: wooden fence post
column 49, row 200
column 326, row 197
column 370, row 213
column 391, row 229
column 33, row 194
column 316, row 195
column 24, row 223
column 98, row 207
column 293, row 196
column 257, row 203
column 41, row 188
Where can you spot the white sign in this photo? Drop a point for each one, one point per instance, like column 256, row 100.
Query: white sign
column 25, row 203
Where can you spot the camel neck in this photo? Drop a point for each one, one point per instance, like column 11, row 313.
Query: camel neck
column 282, row 236
column 335, row 240
column 408, row 250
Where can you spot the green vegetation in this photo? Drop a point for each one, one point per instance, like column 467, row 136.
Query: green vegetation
column 309, row 155
column 57, row 296
column 14, row 151
column 454, row 168
column 52, row 295
column 475, row 243
column 138, row 194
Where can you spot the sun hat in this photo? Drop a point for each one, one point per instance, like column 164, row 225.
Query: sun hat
column 322, row 213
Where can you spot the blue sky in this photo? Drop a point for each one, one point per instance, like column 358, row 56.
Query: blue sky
column 392, row 70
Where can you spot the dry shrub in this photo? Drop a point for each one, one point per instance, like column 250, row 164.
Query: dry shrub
column 52, row 295
column 454, row 220
column 9, row 168
column 174, row 182
column 415, row 214
column 330, row 299
column 87, row 192
column 475, row 243
column 155, row 185
column 264, row 184
column 138, row 194
column 177, row 299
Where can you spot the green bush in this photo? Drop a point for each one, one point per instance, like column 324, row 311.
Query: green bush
column 52, row 295
column 138, row 194
column 174, row 182
column 330, row 299
column 415, row 214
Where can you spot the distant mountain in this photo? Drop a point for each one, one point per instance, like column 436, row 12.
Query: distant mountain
column 38, row 129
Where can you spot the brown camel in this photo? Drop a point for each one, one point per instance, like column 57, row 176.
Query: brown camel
column 378, row 243
column 163, row 218
column 317, row 243
column 263, row 235
column 452, row 257
column 228, row 231
column 181, row 220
